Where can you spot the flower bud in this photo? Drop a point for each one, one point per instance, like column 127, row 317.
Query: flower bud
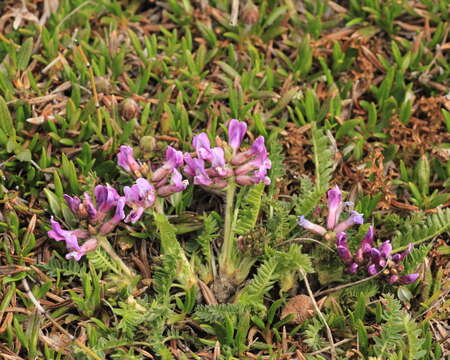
column 102, row 84
column 250, row 13
column 408, row 279
column 147, row 143
column 129, row 108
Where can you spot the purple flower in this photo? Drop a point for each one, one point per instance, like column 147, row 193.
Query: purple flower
column 89, row 206
column 405, row 279
column 372, row 269
column 342, row 248
column 177, row 184
column 69, row 236
column 260, row 175
column 218, row 161
column 385, row 249
column 408, row 279
column 397, row 258
column 353, row 268
column 376, row 258
column 58, row 233
column 126, row 160
column 196, row 168
column 334, row 207
column 341, row 239
column 381, row 255
column 174, row 159
column 73, row 203
column 354, row 218
column 259, row 166
column 366, row 245
column 193, row 164
column 139, row 197
column 345, row 254
column 308, row 225
column 236, row 132
column 78, row 251
column 119, row 215
column 106, row 197
column 258, row 147
column 393, row 279
column 202, row 146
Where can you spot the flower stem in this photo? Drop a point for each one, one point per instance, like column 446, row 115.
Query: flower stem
column 104, row 243
column 227, row 247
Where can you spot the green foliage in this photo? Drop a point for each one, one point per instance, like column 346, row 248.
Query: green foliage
column 432, row 226
column 217, row 313
column 310, row 196
column 229, row 322
column 102, row 262
column 164, row 275
column 313, row 337
column 398, row 332
column 277, row 158
column 171, row 246
column 208, row 235
column 91, row 299
column 249, row 210
column 368, row 288
column 280, row 221
column 262, row 282
column 57, row 267
column 62, row 81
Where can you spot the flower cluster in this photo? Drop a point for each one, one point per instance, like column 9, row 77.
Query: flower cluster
column 162, row 182
column 99, row 219
column 212, row 166
column 373, row 258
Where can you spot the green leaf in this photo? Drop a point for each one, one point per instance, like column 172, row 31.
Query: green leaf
column 171, row 246
column 249, row 211
column 323, row 161
column 262, row 282
column 6, row 122
column 54, row 202
column 24, row 155
column 434, row 225
column 24, row 54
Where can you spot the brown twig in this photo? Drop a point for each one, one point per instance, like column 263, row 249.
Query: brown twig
column 300, row 240
column 43, row 312
column 234, row 12
column 340, row 287
column 322, row 317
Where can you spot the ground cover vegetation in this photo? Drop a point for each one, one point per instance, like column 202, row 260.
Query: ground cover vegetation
column 219, row 179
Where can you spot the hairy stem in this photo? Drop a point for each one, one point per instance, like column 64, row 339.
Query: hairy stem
column 227, row 247
column 104, row 243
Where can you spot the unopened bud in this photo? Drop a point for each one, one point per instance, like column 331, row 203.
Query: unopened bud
column 129, row 108
column 102, row 84
column 250, row 13
column 423, row 174
column 147, row 143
